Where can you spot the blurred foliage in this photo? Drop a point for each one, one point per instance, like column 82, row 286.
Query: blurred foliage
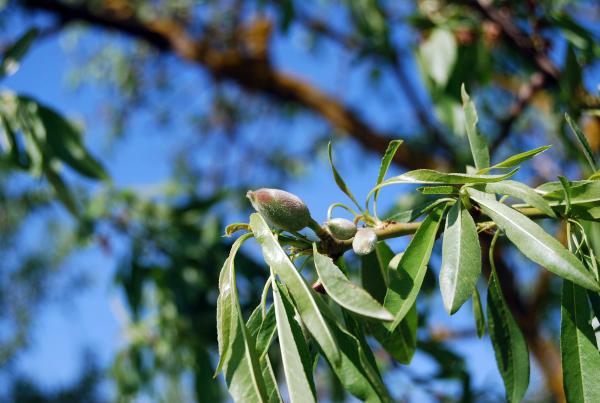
column 396, row 52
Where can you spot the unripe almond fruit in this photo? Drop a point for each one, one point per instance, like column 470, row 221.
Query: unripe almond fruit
column 341, row 228
column 279, row 208
column 364, row 241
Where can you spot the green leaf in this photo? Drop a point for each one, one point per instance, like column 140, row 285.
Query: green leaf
column 479, row 148
column 239, row 359
column 262, row 329
column 461, row 258
column 401, row 344
column 520, row 191
column 567, row 193
column 270, row 380
column 534, row 242
column 304, row 298
column 294, row 351
column 226, row 304
column 13, row 55
column 385, row 163
column 438, row 190
column 509, row 344
column 437, row 56
column 411, row 215
column 354, row 369
column 515, row 159
column 405, row 282
column 580, row 356
column 346, row 293
column 431, row 177
column 478, row 313
column 338, row 178
column 585, row 147
column 374, row 270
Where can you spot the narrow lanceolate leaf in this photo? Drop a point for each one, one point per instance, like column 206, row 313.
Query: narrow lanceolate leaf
column 339, row 180
column 262, row 330
column 431, row 177
column 461, row 258
column 405, row 282
column 478, row 314
column 535, row 243
column 580, row 356
column 243, row 374
column 227, row 304
column 386, row 161
column 302, row 294
column 346, row 293
column 520, row 191
column 479, row 148
column 294, row 351
column 585, row 147
column 516, row 159
column 509, row 344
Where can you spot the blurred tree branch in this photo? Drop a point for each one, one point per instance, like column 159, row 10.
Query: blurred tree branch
column 247, row 64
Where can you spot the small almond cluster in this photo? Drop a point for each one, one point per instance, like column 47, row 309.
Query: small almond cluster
column 281, row 209
column 364, row 240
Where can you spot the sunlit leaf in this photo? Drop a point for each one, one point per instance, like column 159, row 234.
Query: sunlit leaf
column 294, row 351
column 346, row 293
column 338, row 178
column 477, row 142
column 226, row 304
column 302, row 294
column 580, row 355
column 431, row 177
column 520, row 191
column 534, row 242
column 385, row 163
column 405, row 282
column 516, row 159
column 461, row 258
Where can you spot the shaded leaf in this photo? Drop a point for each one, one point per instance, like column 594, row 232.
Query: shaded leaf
column 585, row 147
column 13, row 55
column 510, row 347
column 386, row 161
column 478, row 313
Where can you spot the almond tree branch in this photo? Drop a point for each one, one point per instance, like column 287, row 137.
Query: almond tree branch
column 247, row 65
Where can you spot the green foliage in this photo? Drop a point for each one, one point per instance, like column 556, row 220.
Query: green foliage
column 386, row 308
